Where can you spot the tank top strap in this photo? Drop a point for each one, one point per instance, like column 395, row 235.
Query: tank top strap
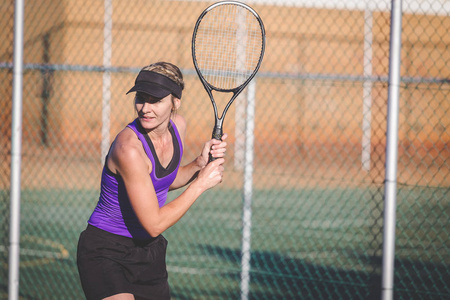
column 138, row 130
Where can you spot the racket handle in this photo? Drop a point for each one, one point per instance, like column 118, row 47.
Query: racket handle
column 217, row 134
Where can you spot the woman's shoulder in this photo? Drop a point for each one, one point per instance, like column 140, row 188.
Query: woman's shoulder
column 126, row 142
column 127, row 136
column 126, row 150
column 179, row 121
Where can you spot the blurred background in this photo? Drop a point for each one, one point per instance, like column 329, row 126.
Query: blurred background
column 314, row 187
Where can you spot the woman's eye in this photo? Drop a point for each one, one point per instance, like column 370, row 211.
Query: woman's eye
column 141, row 99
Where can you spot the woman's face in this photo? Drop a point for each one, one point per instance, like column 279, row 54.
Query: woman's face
column 154, row 112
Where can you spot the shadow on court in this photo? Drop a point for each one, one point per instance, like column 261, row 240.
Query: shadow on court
column 274, row 276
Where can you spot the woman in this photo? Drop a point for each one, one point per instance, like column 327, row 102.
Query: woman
column 121, row 254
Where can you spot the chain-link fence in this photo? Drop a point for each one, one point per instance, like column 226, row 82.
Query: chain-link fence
column 316, row 186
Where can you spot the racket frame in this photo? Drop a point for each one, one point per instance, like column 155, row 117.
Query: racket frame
column 218, row 131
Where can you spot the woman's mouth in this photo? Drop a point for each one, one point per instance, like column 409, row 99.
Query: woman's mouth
column 147, row 118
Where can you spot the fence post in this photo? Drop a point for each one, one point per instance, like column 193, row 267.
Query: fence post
column 16, row 151
column 248, row 191
column 367, row 90
column 390, row 189
column 106, row 89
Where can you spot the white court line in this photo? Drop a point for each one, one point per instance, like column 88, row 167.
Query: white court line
column 336, row 223
column 195, row 271
column 39, row 253
column 42, row 256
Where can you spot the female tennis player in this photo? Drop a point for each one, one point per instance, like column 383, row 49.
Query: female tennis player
column 121, row 254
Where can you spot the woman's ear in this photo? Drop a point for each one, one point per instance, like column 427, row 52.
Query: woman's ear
column 177, row 104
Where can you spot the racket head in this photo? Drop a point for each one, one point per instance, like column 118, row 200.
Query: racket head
column 228, row 46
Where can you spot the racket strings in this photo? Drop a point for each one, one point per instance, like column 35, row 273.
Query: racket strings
column 228, row 46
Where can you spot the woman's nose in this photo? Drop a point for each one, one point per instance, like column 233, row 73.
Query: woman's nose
column 147, row 107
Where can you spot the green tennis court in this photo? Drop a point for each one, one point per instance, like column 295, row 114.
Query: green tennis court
column 303, row 241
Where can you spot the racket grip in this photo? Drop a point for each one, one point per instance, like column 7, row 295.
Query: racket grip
column 216, row 134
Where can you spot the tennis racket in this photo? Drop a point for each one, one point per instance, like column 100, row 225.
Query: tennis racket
column 227, row 49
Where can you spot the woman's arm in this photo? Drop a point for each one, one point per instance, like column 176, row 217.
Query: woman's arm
column 128, row 159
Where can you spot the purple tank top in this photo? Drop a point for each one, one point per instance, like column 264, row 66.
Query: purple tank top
column 113, row 212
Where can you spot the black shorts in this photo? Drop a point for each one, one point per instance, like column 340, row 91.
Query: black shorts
column 111, row 264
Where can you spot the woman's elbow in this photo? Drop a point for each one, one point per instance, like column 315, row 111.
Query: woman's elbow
column 154, row 230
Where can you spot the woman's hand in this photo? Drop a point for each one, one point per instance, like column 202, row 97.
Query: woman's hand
column 210, row 175
column 217, row 149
